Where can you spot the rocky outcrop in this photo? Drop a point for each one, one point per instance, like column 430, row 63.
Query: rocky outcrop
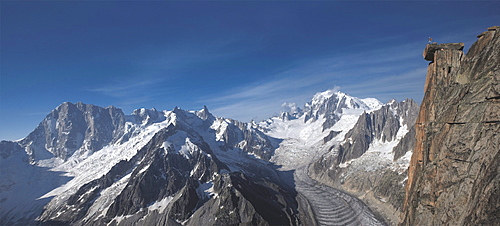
column 430, row 49
column 454, row 175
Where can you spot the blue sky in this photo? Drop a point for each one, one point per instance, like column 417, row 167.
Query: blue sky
column 241, row 59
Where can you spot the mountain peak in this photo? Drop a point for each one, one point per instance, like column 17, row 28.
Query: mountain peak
column 322, row 96
column 204, row 113
column 332, row 103
column 147, row 116
column 72, row 128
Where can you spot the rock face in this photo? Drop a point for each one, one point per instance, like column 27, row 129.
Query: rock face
column 71, row 127
column 454, row 175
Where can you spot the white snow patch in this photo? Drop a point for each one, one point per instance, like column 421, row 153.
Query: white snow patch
column 206, row 190
column 107, row 196
column 161, row 205
column 118, row 219
column 372, row 103
column 220, row 127
column 182, row 144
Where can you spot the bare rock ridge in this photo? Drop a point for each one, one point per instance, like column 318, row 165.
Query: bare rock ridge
column 453, row 177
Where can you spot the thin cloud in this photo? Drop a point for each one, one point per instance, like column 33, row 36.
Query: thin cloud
column 124, row 89
column 380, row 73
column 133, row 102
column 400, row 86
column 167, row 58
column 134, row 92
column 36, row 113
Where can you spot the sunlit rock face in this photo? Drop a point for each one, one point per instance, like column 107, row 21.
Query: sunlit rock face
column 81, row 128
column 453, row 174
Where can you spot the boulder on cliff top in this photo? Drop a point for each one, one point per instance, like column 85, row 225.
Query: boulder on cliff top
column 493, row 28
column 431, row 48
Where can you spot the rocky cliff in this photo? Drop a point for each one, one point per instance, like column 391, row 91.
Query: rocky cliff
column 454, row 175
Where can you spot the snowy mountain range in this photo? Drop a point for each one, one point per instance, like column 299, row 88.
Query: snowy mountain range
column 89, row 165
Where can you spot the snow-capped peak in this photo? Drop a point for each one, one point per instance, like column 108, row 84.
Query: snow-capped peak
column 147, row 116
column 372, row 103
column 322, row 96
column 337, row 99
column 204, row 113
column 333, row 103
column 329, row 110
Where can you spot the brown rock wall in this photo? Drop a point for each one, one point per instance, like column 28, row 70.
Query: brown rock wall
column 454, row 174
